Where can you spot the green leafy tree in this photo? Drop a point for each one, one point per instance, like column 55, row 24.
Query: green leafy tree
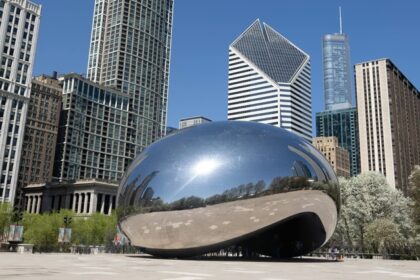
column 5, row 218
column 96, row 230
column 42, row 230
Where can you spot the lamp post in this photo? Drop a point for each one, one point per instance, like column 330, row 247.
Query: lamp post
column 64, row 234
column 15, row 230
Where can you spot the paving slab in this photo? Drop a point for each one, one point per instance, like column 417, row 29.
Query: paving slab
column 108, row 266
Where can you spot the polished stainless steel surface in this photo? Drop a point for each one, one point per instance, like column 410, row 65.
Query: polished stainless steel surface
column 229, row 184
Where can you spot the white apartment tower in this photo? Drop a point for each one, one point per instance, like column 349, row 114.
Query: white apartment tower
column 19, row 24
column 270, row 81
column 388, row 108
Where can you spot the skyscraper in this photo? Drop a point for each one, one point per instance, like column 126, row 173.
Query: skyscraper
column 19, row 23
column 270, row 80
column 388, row 105
column 41, row 129
column 337, row 71
column 130, row 51
column 91, row 141
column 343, row 125
column 339, row 118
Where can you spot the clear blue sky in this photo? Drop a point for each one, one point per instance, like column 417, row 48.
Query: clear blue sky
column 204, row 29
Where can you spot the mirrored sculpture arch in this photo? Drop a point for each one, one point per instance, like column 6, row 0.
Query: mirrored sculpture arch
column 222, row 185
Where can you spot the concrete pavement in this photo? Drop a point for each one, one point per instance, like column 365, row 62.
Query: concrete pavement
column 106, row 266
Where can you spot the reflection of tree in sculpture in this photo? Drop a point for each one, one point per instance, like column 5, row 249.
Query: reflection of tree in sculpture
column 285, row 184
column 187, row 203
column 147, row 204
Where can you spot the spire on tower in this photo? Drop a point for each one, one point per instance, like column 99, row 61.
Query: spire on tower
column 341, row 22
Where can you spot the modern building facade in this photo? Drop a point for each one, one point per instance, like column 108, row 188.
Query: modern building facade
column 183, row 123
column 19, row 25
column 337, row 71
column 270, row 81
column 339, row 118
column 337, row 156
column 343, row 124
column 93, row 126
column 130, row 51
column 41, row 129
column 389, row 112
column 84, row 197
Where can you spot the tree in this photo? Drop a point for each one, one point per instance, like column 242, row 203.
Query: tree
column 98, row 229
column 383, row 237
column 42, row 230
column 5, row 218
column 365, row 199
column 414, row 193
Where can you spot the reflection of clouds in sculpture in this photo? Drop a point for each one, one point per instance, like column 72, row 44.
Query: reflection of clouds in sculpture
column 206, row 172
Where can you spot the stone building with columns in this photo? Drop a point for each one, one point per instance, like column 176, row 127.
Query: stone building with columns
column 84, row 197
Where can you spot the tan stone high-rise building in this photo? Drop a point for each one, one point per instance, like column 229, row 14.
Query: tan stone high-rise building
column 389, row 113
column 38, row 149
column 337, row 156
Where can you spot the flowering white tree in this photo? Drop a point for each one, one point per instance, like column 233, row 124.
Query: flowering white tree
column 414, row 192
column 366, row 199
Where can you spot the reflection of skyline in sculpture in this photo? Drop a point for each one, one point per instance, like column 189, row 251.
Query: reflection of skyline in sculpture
column 224, row 184
column 134, row 193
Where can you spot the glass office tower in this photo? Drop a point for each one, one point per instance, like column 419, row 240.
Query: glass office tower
column 337, row 71
column 342, row 124
column 339, row 118
column 91, row 140
column 130, row 52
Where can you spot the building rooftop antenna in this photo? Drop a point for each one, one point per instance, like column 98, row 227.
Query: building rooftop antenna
column 341, row 22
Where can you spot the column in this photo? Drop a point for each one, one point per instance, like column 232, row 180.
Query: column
column 73, row 204
column 79, row 203
column 38, row 207
column 34, row 201
column 91, row 203
column 85, row 204
column 28, row 205
column 103, row 204
column 110, row 205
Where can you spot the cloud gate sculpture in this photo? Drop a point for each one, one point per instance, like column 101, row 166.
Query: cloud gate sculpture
column 242, row 185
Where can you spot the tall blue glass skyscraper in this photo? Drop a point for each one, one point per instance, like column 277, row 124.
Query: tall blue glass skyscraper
column 337, row 77
column 339, row 118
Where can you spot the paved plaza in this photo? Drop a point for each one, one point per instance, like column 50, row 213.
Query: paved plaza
column 125, row 267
